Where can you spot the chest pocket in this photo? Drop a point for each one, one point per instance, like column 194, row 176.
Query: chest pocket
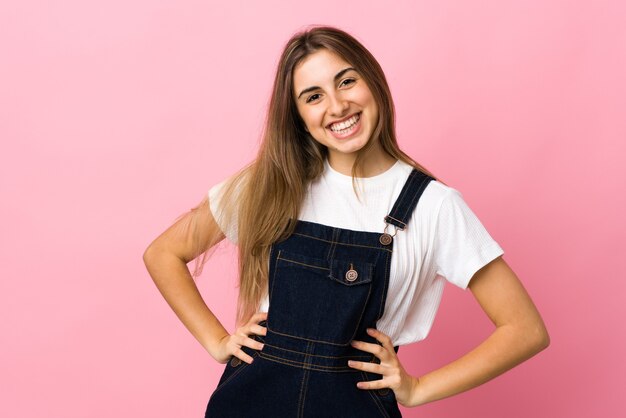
column 319, row 299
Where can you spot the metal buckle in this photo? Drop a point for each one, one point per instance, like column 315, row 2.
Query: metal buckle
column 387, row 238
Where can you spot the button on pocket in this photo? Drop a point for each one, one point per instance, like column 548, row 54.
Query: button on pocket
column 235, row 361
column 352, row 274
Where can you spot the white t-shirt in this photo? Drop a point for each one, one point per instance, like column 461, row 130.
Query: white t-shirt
column 444, row 241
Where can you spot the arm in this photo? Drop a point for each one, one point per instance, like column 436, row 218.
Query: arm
column 166, row 259
column 520, row 334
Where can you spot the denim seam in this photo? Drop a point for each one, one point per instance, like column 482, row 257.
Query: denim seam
column 274, row 276
column 235, row 373
column 399, row 203
column 358, row 321
column 309, row 346
column 407, row 207
column 307, row 366
column 343, row 243
column 374, row 398
column 381, row 308
column 307, row 339
column 301, row 398
column 417, row 195
column 333, row 245
column 302, row 264
column 397, row 220
column 314, row 355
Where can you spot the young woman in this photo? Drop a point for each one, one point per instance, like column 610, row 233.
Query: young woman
column 345, row 244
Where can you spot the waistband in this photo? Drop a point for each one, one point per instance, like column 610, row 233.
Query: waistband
column 311, row 355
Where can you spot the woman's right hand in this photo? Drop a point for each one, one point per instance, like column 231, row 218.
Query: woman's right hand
column 231, row 344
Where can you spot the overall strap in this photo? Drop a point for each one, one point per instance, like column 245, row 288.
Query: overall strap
column 406, row 202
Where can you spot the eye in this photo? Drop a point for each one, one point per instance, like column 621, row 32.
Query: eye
column 312, row 97
column 347, row 82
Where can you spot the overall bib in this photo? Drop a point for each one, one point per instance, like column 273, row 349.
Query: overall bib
column 326, row 286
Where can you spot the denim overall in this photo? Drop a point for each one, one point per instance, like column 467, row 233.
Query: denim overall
column 326, row 286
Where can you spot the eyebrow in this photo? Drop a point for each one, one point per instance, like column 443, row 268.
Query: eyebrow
column 337, row 77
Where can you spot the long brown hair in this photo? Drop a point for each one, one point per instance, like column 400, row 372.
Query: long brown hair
column 262, row 197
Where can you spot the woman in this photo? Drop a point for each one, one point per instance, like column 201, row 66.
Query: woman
column 345, row 244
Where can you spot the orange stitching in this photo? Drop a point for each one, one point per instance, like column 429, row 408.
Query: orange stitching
column 376, row 400
column 307, row 366
column 309, row 339
column 356, row 328
column 274, row 276
column 300, row 400
column 387, row 278
column 302, row 264
column 235, row 373
column 314, row 355
column 342, row 243
column 398, row 220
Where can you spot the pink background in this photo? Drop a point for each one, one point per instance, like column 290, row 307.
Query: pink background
column 116, row 117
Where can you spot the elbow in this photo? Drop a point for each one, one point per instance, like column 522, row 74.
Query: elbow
column 539, row 338
column 149, row 254
column 545, row 339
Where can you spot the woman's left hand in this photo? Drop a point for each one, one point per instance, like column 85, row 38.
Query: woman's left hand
column 394, row 375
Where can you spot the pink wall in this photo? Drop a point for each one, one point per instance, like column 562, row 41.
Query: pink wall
column 114, row 118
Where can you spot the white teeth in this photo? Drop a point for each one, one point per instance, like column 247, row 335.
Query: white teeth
column 345, row 125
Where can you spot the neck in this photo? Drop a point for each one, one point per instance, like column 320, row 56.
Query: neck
column 373, row 163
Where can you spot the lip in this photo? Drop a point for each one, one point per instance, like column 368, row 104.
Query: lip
column 355, row 131
column 342, row 120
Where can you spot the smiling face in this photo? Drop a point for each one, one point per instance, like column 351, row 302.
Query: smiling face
column 335, row 104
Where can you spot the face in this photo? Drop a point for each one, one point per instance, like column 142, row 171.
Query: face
column 335, row 103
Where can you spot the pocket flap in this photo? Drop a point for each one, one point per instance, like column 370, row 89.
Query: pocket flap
column 351, row 272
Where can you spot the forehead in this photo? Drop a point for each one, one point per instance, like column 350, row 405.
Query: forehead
column 318, row 68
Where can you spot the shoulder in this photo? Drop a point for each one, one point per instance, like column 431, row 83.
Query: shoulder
column 436, row 193
column 435, row 196
column 234, row 183
column 432, row 197
column 439, row 206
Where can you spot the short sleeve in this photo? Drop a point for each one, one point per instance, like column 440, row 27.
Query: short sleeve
column 215, row 199
column 462, row 244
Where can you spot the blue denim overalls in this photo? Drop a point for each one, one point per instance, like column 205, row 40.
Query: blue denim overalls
column 326, row 286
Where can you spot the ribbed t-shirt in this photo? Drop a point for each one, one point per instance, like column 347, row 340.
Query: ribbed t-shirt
column 443, row 241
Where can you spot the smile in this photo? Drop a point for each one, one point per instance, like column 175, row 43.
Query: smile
column 345, row 126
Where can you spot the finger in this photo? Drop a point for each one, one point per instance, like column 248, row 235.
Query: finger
column 381, row 337
column 259, row 316
column 367, row 367
column 259, row 330
column 252, row 343
column 240, row 354
column 372, row 384
column 254, row 319
column 375, row 349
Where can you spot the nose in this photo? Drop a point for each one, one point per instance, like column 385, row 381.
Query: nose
column 337, row 105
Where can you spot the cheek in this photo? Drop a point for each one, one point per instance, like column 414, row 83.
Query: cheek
column 366, row 98
column 311, row 119
column 369, row 100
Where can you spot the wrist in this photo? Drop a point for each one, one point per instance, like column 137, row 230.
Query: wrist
column 213, row 347
column 417, row 392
